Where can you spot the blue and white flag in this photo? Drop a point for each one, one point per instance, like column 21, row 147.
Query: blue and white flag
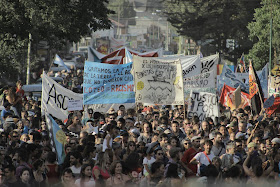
column 58, row 138
column 108, row 83
column 60, row 62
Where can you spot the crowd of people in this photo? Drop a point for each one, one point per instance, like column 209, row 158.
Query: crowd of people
column 142, row 146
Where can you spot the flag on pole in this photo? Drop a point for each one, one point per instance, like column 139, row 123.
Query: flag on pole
column 60, row 62
column 58, row 138
column 255, row 90
column 242, row 62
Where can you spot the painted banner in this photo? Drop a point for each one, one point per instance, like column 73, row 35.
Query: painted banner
column 228, row 97
column 253, row 86
column 55, row 98
column 229, row 78
column 274, row 86
column 158, row 81
column 203, row 105
column 209, row 63
column 203, row 80
column 108, row 83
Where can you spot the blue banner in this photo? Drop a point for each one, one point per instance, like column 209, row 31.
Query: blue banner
column 108, row 83
column 229, row 78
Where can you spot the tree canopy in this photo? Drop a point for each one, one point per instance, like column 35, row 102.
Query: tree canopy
column 54, row 21
column 218, row 20
column 260, row 32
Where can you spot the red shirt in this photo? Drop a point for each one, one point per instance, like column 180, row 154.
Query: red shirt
column 105, row 174
column 188, row 155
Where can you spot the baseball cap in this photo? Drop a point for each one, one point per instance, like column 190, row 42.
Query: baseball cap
column 276, row 140
column 252, row 144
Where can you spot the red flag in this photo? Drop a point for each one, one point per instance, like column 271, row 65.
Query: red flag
column 228, row 96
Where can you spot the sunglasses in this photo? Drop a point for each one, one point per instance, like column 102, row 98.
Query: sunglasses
column 159, row 153
column 132, row 145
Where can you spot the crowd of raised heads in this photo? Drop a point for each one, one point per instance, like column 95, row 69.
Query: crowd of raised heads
column 141, row 146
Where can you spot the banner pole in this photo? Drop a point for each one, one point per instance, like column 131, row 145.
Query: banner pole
column 184, row 111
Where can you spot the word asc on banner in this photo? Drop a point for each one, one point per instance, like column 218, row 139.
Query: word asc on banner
column 59, row 99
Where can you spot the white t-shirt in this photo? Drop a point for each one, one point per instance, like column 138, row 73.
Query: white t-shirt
column 76, row 171
column 90, row 183
column 203, row 160
column 149, row 163
column 104, row 147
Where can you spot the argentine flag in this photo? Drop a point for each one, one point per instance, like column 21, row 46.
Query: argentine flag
column 58, row 138
column 60, row 62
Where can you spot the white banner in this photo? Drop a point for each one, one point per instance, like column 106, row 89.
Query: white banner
column 191, row 64
column 203, row 80
column 209, row 63
column 203, row 105
column 55, row 98
column 274, row 86
column 158, row 81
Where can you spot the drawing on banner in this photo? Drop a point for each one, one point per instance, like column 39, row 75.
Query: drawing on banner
column 203, row 105
column 229, row 78
column 158, row 81
column 274, row 86
column 209, row 63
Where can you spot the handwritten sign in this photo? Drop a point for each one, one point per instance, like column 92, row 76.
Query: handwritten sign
column 158, row 81
column 75, row 105
column 203, row 105
column 108, row 83
column 203, row 80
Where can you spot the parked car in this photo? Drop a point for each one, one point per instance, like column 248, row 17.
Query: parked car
column 36, row 88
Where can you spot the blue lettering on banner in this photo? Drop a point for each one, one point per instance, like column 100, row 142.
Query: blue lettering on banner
column 108, row 83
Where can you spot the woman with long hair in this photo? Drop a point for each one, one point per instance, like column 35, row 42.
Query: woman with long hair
column 101, row 167
column 131, row 147
column 86, row 179
column 117, row 177
column 146, row 135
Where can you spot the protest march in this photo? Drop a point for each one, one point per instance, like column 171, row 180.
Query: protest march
column 143, row 119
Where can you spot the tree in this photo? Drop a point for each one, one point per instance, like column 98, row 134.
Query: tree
column 260, row 32
column 54, row 21
column 218, row 20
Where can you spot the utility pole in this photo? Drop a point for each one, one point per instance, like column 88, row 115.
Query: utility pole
column 28, row 59
column 270, row 38
column 167, row 37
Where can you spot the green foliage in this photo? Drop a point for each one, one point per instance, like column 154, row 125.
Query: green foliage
column 54, row 21
column 213, row 19
column 260, row 33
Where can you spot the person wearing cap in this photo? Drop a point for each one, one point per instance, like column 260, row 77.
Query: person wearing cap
column 205, row 157
column 90, row 116
column 218, row 146
column 189, row 154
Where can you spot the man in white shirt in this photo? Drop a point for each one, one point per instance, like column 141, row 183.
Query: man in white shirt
column 75, row 162
column 205, row 157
